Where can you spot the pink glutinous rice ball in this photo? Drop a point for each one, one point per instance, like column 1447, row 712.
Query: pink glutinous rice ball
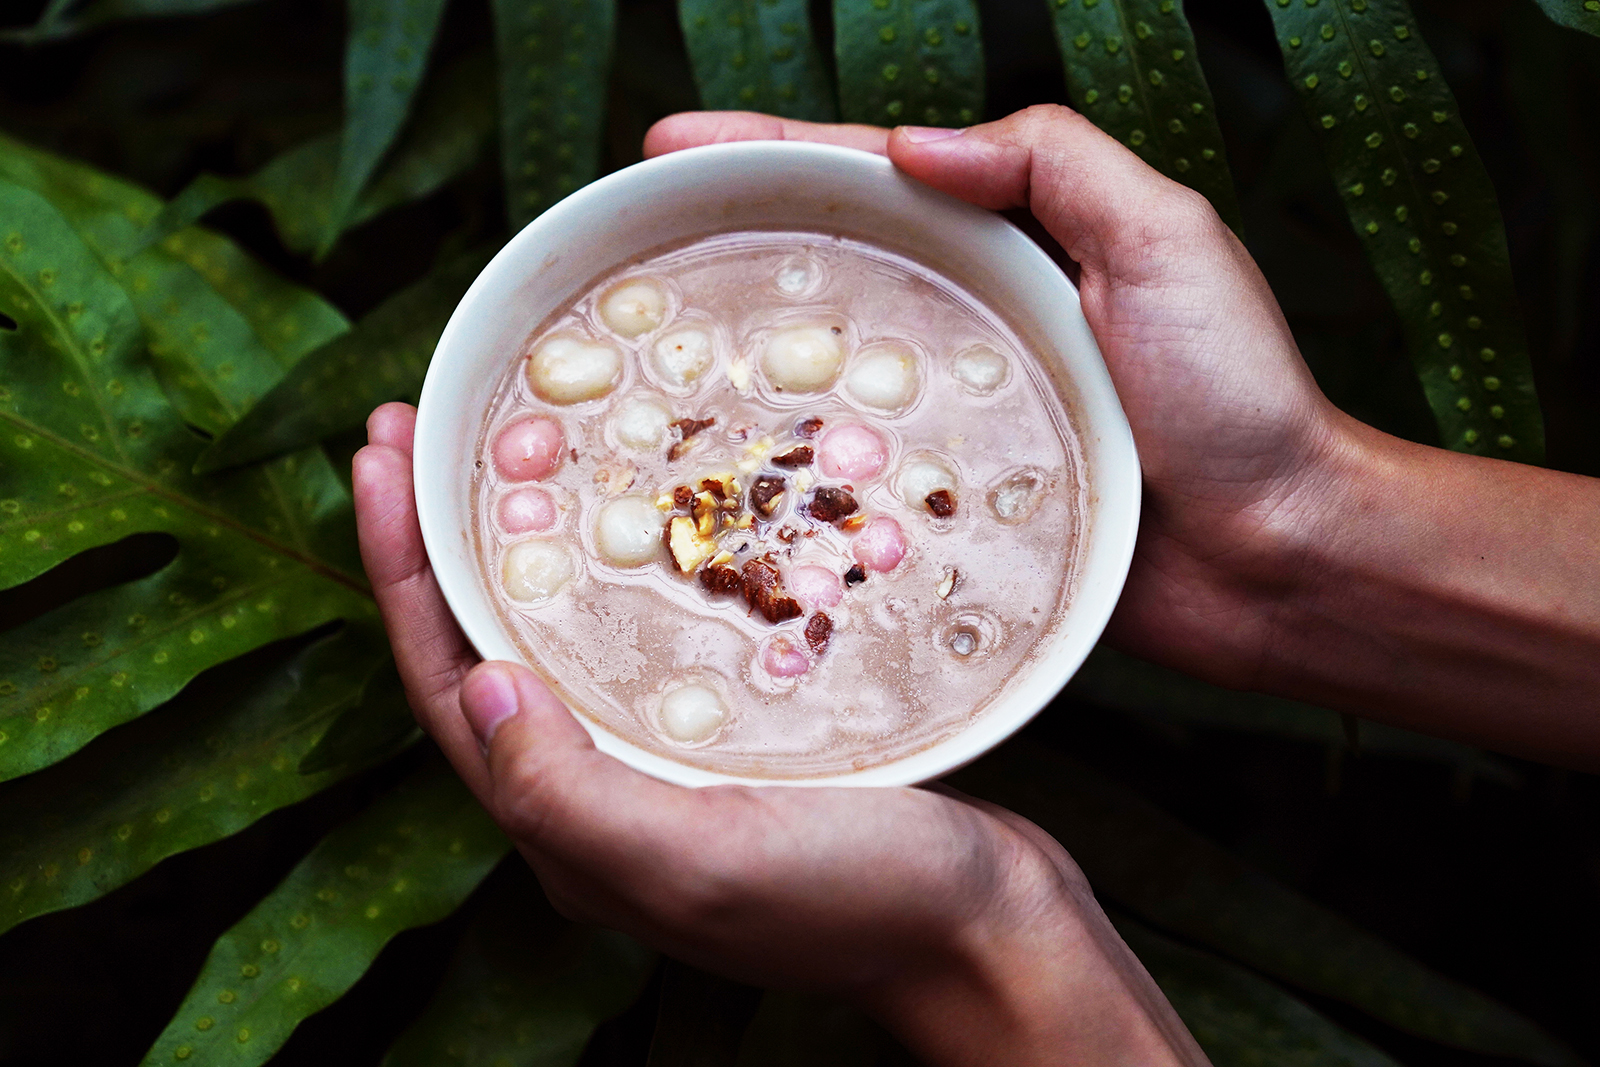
column 881, row 544
column 854, row 453
column 815, row 587
column 781, row 659
column 530, row 510
column 529, row 449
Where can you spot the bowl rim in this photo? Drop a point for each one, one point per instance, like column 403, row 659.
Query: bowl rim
column 1113, row 508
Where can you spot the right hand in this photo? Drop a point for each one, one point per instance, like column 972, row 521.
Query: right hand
column 1230, row 426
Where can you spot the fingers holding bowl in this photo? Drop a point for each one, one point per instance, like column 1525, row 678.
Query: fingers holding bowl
column 690, row 129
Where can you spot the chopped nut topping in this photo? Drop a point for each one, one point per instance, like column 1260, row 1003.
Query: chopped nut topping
column 807, row 428
column 689, row 549
column 947, row 584
column 830, row 504
column 686, row 429
column 941, row 502
column 720, row 580
column 683, row 496
column 766, row 494
column 764, row 592
column 818, row 629
column 798, row 456
column 787, row 534
column 855, row 575
column 853, row 523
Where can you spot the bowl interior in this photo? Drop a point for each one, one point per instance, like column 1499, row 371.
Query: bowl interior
column 795, row 186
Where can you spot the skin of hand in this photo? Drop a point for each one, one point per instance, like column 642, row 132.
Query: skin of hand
column 962, row 927
column 1284, row 546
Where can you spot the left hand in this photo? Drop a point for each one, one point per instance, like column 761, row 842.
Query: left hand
column 964, row 928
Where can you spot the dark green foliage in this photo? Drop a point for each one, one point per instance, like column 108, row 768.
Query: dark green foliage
column 1133, row 70
column 1576, row 14
column 1147, row 862
column 757, row 55
column 917, row 62
column 1422, row 202
column 93, row 453
column 174, row 782
column 525, row 988
column 702, row 1018
column 450, row 132
column 1161, row 696
column 1240, row 1019
column 408, row 860
column 384, row 358
column 555, row 57
column 66, row 18
column 387, row 52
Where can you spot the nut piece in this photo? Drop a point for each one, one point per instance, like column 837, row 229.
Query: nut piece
column 764, row 591
column 686, row 429
column 798, row 456
column 766, row 494
column 720, row 580
column 947, row 584
column 830, row 504
column 855, row 575
column 808, row 428
column 941, row 503
column 688, row 545
column 818, row 629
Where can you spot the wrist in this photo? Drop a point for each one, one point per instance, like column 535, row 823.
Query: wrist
column 1038, row 978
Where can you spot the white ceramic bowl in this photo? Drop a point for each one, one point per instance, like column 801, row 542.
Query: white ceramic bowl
column 794, row 186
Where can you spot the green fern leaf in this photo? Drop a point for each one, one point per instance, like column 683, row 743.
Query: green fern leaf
column 555, row 58
column 525, row 988
column 909, row 61
column 1147, row 862
column 385, row 56
column 68, row 18
column 1146, row 691
column 1133, row 70
column 91, row 451
column 192, row 775
column 408, row 860
column 451, row 131
column 1239, row 1018
column 1581, row 15
column 1424, row 207
column 757, row 55
column 384, row 358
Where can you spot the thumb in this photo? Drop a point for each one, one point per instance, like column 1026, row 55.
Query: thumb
column 1108, row 209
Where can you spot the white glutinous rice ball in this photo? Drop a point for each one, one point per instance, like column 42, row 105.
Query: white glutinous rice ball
column 565, row 370
column 692, row 713
column 980, row 369
column 923, row 475
column 682, row 357
column 641, row 422
column 884, row 377
column 535, row 569
column 634, row 307
column 803, row 359
column 627, row 531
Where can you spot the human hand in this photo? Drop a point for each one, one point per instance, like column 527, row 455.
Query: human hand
column 964, row 928
column 1231, row 428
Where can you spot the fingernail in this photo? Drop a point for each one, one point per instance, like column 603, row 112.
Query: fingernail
column 488, row 698
column 924, row 134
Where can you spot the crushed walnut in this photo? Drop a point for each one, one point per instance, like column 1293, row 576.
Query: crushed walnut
column 831, row 504
column 808, row 428
column 941, row 502
column 766, row 493
column 763, row 589
column 686, row 429
column 818, row 629
column 798, row 456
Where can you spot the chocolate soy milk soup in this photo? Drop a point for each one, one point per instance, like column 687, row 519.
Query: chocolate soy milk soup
column 778, row 504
